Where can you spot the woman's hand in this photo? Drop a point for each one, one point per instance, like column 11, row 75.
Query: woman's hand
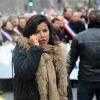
column 33, row 40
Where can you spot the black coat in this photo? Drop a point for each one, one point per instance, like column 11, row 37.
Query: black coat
column 86, row 45
column 77, row 27
column 25, row 85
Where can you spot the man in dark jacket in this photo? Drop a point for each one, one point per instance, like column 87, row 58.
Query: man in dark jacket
column 86, row 45
column 76, row 24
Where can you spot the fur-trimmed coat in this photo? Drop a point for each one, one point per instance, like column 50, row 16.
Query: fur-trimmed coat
column 37, row 70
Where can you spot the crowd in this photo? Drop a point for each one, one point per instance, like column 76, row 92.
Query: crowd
column 42, row 65
column 77, row 19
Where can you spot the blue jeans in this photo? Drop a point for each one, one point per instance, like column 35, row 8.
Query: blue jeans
column 86, row 91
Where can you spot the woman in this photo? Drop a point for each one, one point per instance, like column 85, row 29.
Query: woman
column 7, row 32
column 7, row 38
column 39, row 66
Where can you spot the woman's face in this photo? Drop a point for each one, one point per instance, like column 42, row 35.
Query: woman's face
column 42, row 33
column 9, row 26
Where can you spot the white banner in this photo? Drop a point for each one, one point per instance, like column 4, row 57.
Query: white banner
column 6, row 61
column 74, row 73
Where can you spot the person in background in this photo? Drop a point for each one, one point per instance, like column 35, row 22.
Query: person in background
column 66, row 37
column 14, row 20
column 83, row 16
column 76, row 24
column 40, row 65
column 19, row 29
column 58, row 35
column 67, row 13
column 7, row 32
column 86, row 45
column 7, row 36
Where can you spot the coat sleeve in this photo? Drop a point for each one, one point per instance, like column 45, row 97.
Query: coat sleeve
column 73, row 54
column 26, row 62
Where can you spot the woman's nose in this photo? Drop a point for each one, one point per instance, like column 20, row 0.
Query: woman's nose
column 42, row 33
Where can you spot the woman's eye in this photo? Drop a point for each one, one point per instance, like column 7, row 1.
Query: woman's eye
column 37, row 32
column 45, row 30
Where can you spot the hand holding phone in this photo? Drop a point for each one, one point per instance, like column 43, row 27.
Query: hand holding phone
column 33, row 40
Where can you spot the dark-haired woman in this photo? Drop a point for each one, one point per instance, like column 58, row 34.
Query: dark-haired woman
column 39, row 65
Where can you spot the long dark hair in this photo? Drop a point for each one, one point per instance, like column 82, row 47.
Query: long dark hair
column 32, row 24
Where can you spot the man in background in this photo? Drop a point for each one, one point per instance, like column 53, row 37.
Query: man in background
column 86, row 45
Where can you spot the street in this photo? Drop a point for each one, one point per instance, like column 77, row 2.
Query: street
column 6, row 96
column 9, row 96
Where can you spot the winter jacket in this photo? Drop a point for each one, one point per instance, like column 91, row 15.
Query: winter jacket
column 86, row 46
column 77, row 26
column 25, row 67
column 26, row 63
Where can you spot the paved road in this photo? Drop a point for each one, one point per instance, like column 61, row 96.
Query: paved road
column 9, row 96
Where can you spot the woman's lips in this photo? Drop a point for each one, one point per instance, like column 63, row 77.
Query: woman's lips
column 43, row 40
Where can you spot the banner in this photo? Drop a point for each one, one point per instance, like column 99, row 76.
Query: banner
column 74, row 73
column 6, row 61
